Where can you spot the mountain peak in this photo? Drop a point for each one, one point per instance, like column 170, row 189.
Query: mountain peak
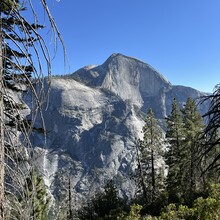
column 122, row 56
column 115, row 55
column 126, row 77
column 136, row 61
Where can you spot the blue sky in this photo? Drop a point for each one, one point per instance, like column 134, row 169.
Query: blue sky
column 179, row 38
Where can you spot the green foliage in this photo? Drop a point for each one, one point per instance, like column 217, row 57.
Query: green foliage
column 188, row 194
column 193, row 127
column 105, row 205
column 184, row 132
column 37, row 193
column 32, row 202
column 134, row 213
column 114, row 214
column 202, row 209
column 149, row 176
column 172, row 212
column 175, row 137
column 18, row 36
column 7, row 5
column 208, row 208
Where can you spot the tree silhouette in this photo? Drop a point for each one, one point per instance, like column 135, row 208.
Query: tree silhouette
column 24, row 59
column 211, row 132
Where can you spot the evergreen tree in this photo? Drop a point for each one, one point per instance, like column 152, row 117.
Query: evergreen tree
column 185, row 145
column 174, row 136
column 148, row 153
column 17, row 61
column 193, row 127
column 103, row 205
column 37, row 194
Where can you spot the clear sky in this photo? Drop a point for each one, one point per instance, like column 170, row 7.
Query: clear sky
column 179, row 38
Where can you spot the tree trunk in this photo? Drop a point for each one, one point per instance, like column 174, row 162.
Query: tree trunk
column 70, row 213
column 153, row 176
column 143, row 185
column 2, row 170
column 153, row 183
column 192, row 172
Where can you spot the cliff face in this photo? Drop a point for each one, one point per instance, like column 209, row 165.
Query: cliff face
column 93, row 121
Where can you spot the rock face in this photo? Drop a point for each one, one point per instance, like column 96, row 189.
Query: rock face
column 93, row 121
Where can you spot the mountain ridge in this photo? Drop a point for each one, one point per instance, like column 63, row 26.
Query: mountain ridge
column 93, row 119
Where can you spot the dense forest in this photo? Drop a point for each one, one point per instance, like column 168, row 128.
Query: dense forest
column 177, row 172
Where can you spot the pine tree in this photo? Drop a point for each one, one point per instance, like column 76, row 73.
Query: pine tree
column 15, row 70
column 148, row 153
column 5, row 7
column 193, row 127
column 185, row 145
column 174, row 136
column 37, row 194
column 103, row 204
